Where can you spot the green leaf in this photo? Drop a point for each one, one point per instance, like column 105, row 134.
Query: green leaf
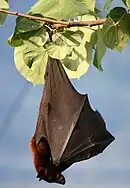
column 62, row 9
column 72, row 38
column 90, row 4
column 3, row 5
column 24, row 30
column 69, row 38
column 15, row 40
column 25, row 25
column 18, row 39
column 107, row 5
column 93, row 39
column 77, row 55
column 81, row 70
column 81, row 52
column 127, row 3
column 117, row 13
column 77, row 63
column 31, row 61
column 57, row 51
column 89, row 50
column 98, row 13
column 76, row 36
column 99, row 52
column 71, row 63
column 87, row 31
column 115, row 30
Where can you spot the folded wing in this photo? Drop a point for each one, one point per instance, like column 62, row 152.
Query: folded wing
column 74, row 131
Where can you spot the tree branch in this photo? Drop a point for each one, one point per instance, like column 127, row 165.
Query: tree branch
column 55, row 23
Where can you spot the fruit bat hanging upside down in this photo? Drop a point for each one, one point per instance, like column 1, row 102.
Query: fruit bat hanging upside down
column 68, row 130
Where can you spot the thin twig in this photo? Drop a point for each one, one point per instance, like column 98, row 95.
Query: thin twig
column 56, row 24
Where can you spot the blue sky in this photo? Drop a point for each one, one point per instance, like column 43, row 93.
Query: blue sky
column 109, row 92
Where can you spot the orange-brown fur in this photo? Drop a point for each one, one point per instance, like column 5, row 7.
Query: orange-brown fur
column 45, row 168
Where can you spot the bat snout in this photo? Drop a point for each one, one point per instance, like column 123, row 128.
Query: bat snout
column 60, row 179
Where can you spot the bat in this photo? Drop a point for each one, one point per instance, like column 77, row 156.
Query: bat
column 68, row 130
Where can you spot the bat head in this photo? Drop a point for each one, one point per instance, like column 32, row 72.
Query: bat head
column 51, row 174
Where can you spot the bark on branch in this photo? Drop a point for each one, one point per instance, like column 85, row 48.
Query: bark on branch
column 55, row 23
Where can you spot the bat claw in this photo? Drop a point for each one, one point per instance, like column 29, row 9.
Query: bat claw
column 40, row 178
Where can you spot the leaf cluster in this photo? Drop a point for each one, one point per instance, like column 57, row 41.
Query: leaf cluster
column 76, row 47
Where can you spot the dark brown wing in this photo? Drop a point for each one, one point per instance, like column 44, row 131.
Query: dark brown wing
column 59, row 110
column 89, row 137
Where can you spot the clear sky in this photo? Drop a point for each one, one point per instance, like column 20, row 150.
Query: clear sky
column 109, row 92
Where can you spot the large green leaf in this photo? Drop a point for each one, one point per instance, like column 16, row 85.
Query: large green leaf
column 71, row 62
column 63, row 43
column 90, row 4
column 25, row 29
column 89, row 50
column 68, row 38
column 62, row 9
column 3, row 5
column 77, row 63
column 72, row 38
column 88, row 32
column 57, row 51
column 82, row 68
column 17, row 39
column 77, row 55
column 99, row 51
column 25, row 25
column 116, row 29
column 31, row 61
column 70, row 45
column 127, row 3
column 81, row 52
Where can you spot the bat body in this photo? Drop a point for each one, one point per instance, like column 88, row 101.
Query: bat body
column 42, row 160
column 68, row 130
